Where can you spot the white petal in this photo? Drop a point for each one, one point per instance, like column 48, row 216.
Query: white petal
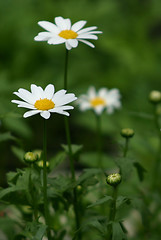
column 45, row 114
column 58, row 95
column 43, row 36
column 88, row 29
column 61, row 108
column 37, row 91
column 61, row 23
column 92, row 92
column 87, row 42
column 51, row 27
column 73, row 42
column 31, row 113
column 49, row 91
column 87, row 36
column 94, row 32
column 23, row 104
column 56, row 40
column 25, row 95
column 60, row 111
column 103, row 92
column 78, row 25
column 68, row 47
column 99, row 109
column 70, row 97
column 68, row 23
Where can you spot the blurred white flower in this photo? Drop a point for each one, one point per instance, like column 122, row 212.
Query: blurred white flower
column 63, row 32
column 99, row 101
column 44, row 101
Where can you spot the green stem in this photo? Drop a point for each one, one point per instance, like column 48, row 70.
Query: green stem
column 112, row 213
column 45, row 178
column 99, row 141
column 126, row 147
column 71, row 159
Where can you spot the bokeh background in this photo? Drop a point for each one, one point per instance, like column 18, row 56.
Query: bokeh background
column 127, row 56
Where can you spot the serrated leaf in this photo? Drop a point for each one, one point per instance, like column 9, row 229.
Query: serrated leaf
column 118, row 233
column 75, row 148
column 100, row 201
column 88, row 173
column 122, row 200
column 140, row 170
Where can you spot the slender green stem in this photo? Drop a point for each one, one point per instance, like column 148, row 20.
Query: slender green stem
column 126, row 147
column 112, row 213
column 71, row 159
column 99, row 141
column 45, row 177
column 66, row 69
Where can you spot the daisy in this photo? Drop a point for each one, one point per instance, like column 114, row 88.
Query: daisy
column 63, row 32
column 99, row 101
column 44, row 101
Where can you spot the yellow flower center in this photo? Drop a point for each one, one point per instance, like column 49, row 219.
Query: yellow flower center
column 97, row 101
column 44, row 104
column 68, row 34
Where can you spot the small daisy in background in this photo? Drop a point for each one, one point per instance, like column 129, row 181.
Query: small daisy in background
column 45, row 101
column 64, row 32
column 104, row 99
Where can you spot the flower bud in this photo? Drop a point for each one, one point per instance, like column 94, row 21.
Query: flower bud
column 127, row 132
column 155, row 96
column 113, row 179
column 40, row 164
column 38, row 153
column 30, row 157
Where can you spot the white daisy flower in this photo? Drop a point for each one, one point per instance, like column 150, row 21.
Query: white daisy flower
column 99, row 101
column 44, row 101
column 63, row 32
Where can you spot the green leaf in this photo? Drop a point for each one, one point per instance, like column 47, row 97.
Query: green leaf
column 6, row 136
column 75, row 148
column 122, row 200
column 100, row 201
column 88, row 173
column 57, row 160
column 118, row 233
column 125, row 165
column 19, row 153
column 140, row 170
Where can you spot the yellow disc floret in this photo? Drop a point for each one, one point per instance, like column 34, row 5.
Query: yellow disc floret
column 44, row 104
column 97, row 101
column 68, row 34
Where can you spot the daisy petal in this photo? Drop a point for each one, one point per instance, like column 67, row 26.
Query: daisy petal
column 25, row 95
column 78, row 25
column 56, row 40
column 73, row 42
column 23, row 104
column 61, row 23
column 37, row 91
column 31, row 113
column 88, row 43
column 68, row 46
column 70, row 97
column 88, row 29
column 51, row 27
column 42, row 36
column 68, row 24
column 87, row 36
column 45, row 114
column 49, row 91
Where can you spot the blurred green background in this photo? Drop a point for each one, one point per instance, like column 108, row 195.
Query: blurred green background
column 127, row 56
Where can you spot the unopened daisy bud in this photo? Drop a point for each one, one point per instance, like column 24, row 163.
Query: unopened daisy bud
column 113, row 179
column 79, row 188
column 38, row 153
column 155, row 96
column 30, row 157
column 127, row 132
column 40, row 164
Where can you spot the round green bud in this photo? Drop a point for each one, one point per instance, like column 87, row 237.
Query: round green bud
column 113, row 179
column 30, row 157
column 40, row 164
column 38, row 152
column 127, row 132
column 155, row 96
